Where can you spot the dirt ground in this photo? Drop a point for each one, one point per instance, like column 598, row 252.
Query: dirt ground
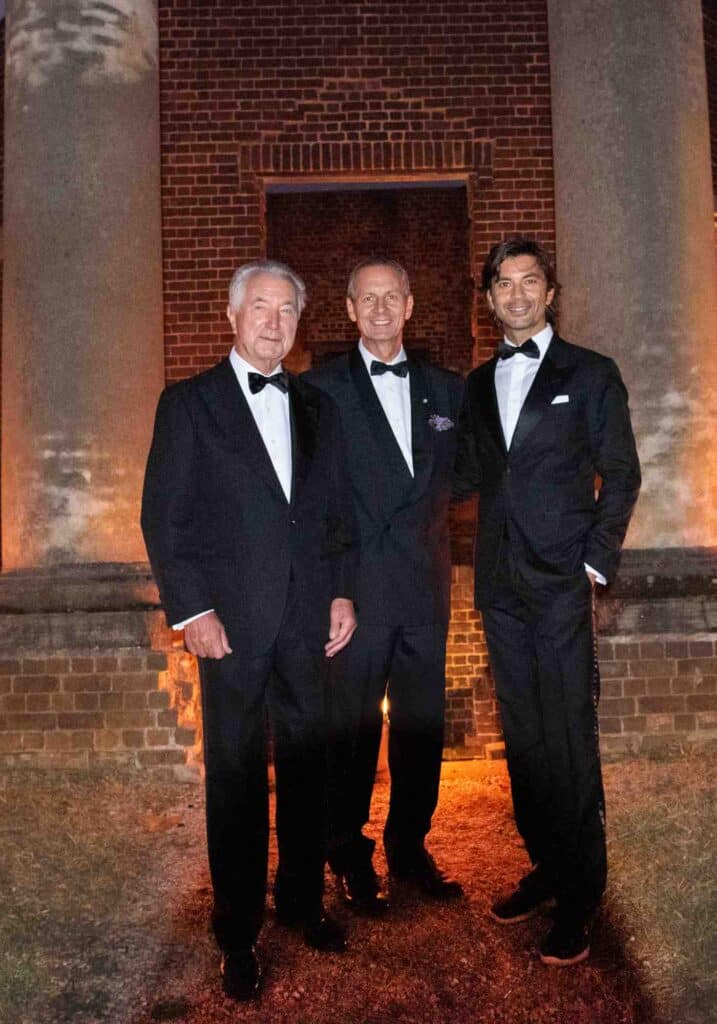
column 106, row 900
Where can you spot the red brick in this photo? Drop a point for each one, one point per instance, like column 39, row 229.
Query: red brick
column 701, row 702
column 80, row 720
column 36, row 684
column 157, row 737
column 85, row 683
column 150, row 758
column 650, row 705
column 10, row 742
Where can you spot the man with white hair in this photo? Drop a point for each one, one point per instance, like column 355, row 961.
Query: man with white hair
column 248, row 522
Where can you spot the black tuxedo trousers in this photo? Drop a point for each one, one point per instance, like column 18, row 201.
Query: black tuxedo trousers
column 543, row 659
column 406, row 663
column 287, row 682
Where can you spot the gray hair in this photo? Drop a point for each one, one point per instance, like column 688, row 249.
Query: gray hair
column 378, row 261
column 240, row 278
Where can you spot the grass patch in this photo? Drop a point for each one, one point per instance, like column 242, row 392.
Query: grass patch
column 106, row 902
column 663, row 867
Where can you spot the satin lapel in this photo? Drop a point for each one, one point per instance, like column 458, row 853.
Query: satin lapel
column 548, row 382
column 389, row 454
column 304, row 424
column 225, row 399
column 488, row 406
column 421, row 433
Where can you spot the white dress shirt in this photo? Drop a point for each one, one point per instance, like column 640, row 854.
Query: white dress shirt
column 270, row 409
column 394, row 394
column 513, row 380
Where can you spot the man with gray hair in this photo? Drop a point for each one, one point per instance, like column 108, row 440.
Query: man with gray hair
column 248, row 522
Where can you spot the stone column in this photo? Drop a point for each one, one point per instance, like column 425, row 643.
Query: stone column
column 635, row 241
column 82, row 301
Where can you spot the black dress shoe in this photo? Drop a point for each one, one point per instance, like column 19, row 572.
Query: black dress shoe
column 534, row 892
column 241, row 974
column 319, row 929
column 419, row 868
column 322, row 932
column 361, row 890
column 567, row 943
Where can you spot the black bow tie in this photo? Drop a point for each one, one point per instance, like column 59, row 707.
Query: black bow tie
column 257, row 381
column 529, row 348
column 378, row 369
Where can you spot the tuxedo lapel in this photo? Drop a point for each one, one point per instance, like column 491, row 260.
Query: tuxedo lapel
column 225, row 398
column 487, row 403
column 390, row 456
column 548, row 382
column 304, row 423
column 421, row 433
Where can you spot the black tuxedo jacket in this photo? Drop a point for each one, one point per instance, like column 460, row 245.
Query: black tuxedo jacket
column 574, row 426
column 403, row 576
column 218, row 528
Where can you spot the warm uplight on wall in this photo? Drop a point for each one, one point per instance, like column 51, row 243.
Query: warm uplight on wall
column 384, row 707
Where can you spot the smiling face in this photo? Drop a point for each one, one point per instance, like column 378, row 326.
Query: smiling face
column 265, row 323
column 380, row 308
column 518, row 298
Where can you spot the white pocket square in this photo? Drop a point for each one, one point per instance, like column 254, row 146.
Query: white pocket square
column 559, row 399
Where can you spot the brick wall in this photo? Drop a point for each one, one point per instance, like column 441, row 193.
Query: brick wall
column 82, row 708
column 471, row 709
column 323, row 89
column 658, row 692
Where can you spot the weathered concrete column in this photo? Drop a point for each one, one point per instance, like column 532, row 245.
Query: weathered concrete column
column 82, row 301
column 635, row 238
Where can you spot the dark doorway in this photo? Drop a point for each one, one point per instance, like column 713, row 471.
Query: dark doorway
column 324, row 229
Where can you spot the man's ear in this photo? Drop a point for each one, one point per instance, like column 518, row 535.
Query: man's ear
column 350, row 309
column 232, row 318
column 409, row 307
column 550, row 296
column 489, row 300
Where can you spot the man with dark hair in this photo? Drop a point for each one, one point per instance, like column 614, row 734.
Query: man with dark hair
column 249, row 527
column 398, row 417
column 543, row 423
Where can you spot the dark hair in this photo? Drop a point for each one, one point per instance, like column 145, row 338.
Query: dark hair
column 378, row 261
column 521, row 245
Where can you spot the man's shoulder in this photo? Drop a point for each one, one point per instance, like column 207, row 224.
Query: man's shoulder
column 329, row 369
column 588, row 358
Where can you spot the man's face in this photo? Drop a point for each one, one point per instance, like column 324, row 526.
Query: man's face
column 518, row 297
column 380, row 308
column 265, row 324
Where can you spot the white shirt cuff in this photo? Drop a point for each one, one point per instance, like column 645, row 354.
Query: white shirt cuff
column 599, row 578
column 181, row 625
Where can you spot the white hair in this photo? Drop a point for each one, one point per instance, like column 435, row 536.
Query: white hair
column 238, row 283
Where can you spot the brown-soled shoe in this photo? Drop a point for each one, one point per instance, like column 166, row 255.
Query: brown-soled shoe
column 567, row 943
column 521, row 905
column 241, row 974
column 419, row 868
column 360, row 889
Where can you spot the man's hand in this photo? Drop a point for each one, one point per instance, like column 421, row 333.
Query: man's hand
column 206, row 638
column 592, row 577
column 342, row 625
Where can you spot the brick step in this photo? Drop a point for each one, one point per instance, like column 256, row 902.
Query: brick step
column 81, row 708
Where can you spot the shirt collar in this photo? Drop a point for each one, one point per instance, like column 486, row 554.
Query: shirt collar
column 368, row 357
column 542, row 340
column 242, row 369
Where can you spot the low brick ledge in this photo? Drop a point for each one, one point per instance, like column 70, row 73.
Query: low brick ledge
column 83, row 708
